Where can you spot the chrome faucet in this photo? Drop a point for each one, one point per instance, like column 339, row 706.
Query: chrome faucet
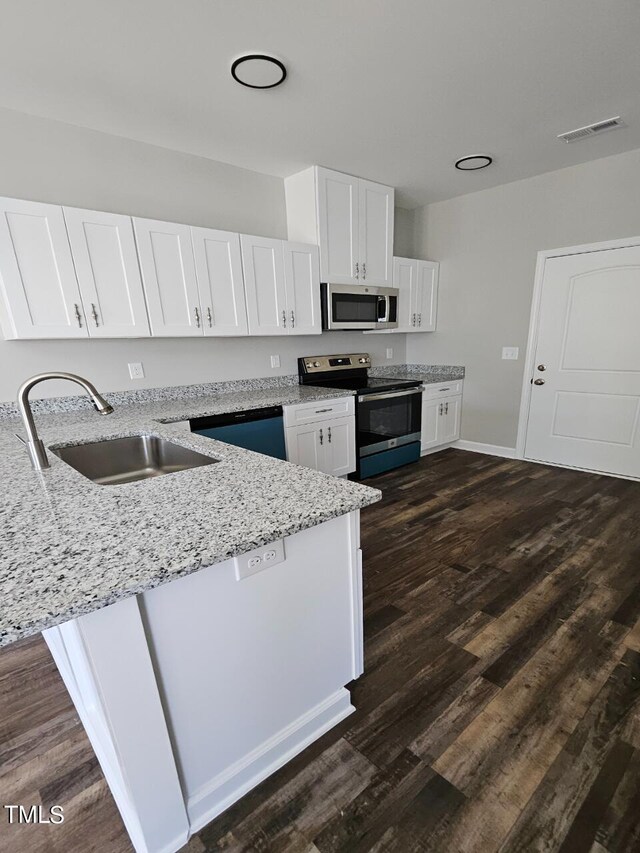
column 35, row 447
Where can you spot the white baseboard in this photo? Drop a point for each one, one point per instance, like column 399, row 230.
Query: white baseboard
column 490, row 449
column 224, row 790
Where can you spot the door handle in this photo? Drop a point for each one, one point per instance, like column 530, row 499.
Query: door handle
column 538, row 381
column 321, row 437
column 542, row 367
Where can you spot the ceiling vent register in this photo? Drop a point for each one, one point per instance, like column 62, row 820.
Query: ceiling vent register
column 591, row 129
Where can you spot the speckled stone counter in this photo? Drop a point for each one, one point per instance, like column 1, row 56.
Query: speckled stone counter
column 427, row 373
column 70, row 546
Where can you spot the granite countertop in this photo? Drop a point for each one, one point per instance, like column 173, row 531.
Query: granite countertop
column 71, row 546
column 429, row 374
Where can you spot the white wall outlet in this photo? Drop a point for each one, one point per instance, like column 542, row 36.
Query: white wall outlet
column 510, row 353
column 136, row 370
column 259, row 559
column 275, row 361
column 389, row 352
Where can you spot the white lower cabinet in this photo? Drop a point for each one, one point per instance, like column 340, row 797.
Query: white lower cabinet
column 440, row 420
column 317, row 439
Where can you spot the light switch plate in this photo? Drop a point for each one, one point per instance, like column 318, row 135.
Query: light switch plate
column 510, row 353
column 275, row 361
column 136, row 370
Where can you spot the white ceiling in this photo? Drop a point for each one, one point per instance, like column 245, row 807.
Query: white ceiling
column 393, row 91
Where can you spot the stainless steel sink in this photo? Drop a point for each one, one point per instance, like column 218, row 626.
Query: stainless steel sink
column 124, row 460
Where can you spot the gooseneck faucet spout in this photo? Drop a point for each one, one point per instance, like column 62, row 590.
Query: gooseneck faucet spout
column 35, row 447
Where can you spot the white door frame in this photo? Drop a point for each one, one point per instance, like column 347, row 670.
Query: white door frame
column 534, row 322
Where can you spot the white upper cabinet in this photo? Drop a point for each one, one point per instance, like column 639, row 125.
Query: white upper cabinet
column 37, row 276
column 302, row 285
column 106, row 262
column 405, row 278
column 426, row 303
column 282, row 286
column 169, row 278
column 376, row 234
column 352, row 221
column 220, row 283
column 263, row 265
column 338, row 231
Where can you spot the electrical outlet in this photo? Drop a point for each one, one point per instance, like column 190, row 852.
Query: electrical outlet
column 510, row 353
column 259, row 559
column 389, row 352
column 275, row 361
column 136, row 370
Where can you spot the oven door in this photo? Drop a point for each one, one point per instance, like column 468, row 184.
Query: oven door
column 352, row 307
column 389, row 419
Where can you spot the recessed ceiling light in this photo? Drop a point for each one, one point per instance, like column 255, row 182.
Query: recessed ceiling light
column 258, row 71
column 473, row 162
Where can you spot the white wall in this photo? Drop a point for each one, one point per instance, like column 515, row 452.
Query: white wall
column 54, row 162
column 487, row 243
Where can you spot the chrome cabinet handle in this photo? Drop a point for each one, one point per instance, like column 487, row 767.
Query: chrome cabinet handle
column 538, row 381
column 320, row 411
column 78, row 314
column 419, row 319
column 364, row 270
column 440, row 408
column 321, row 437
column 446, row 408
column 413, row 319
column 284, row 318
column 197, row 313
column 293, row 319
column 210, row 317
column 329, row 434
column 357, row 270
column 94, row 314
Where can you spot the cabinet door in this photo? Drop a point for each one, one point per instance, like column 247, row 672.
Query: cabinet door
column 427, row 295
column 302, row 282
column 375, row 252
column 450, row 427
column 304, row 447
column 338, row 231
column 263, row 265
column 340, row 447
column 220, row 282
column 37, row 276
column 405, row 278
column 169, row 278
column 432, row 415
column 106, row 261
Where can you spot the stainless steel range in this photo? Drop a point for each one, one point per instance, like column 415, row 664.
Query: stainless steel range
column 388, row 411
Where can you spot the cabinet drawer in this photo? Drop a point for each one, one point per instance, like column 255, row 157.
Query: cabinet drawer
column 443, row 389
column 320, row 410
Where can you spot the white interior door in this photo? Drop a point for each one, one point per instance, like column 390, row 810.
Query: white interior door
column 169, row 277
column 37, row 276
column 263, row 265
column 302, row 281
column 376, row 233
column 338, row 227
column 106, row 261
column 220, row 282
column 585, row 400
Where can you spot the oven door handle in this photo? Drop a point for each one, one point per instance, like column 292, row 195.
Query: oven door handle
column 386, row 395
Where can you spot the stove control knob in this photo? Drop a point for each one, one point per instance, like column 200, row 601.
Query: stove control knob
column 316, row 364
column 363, row 360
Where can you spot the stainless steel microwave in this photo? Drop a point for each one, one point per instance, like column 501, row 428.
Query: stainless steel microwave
column 349, row 306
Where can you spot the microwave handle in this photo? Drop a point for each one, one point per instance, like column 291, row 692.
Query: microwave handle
column 387, row 305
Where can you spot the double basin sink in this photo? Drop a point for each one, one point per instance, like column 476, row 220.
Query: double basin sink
column 125, row 460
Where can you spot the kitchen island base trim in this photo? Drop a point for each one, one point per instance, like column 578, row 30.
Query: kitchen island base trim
column 209, row 684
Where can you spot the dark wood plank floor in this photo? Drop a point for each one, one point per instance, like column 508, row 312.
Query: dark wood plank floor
column 500, row 706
